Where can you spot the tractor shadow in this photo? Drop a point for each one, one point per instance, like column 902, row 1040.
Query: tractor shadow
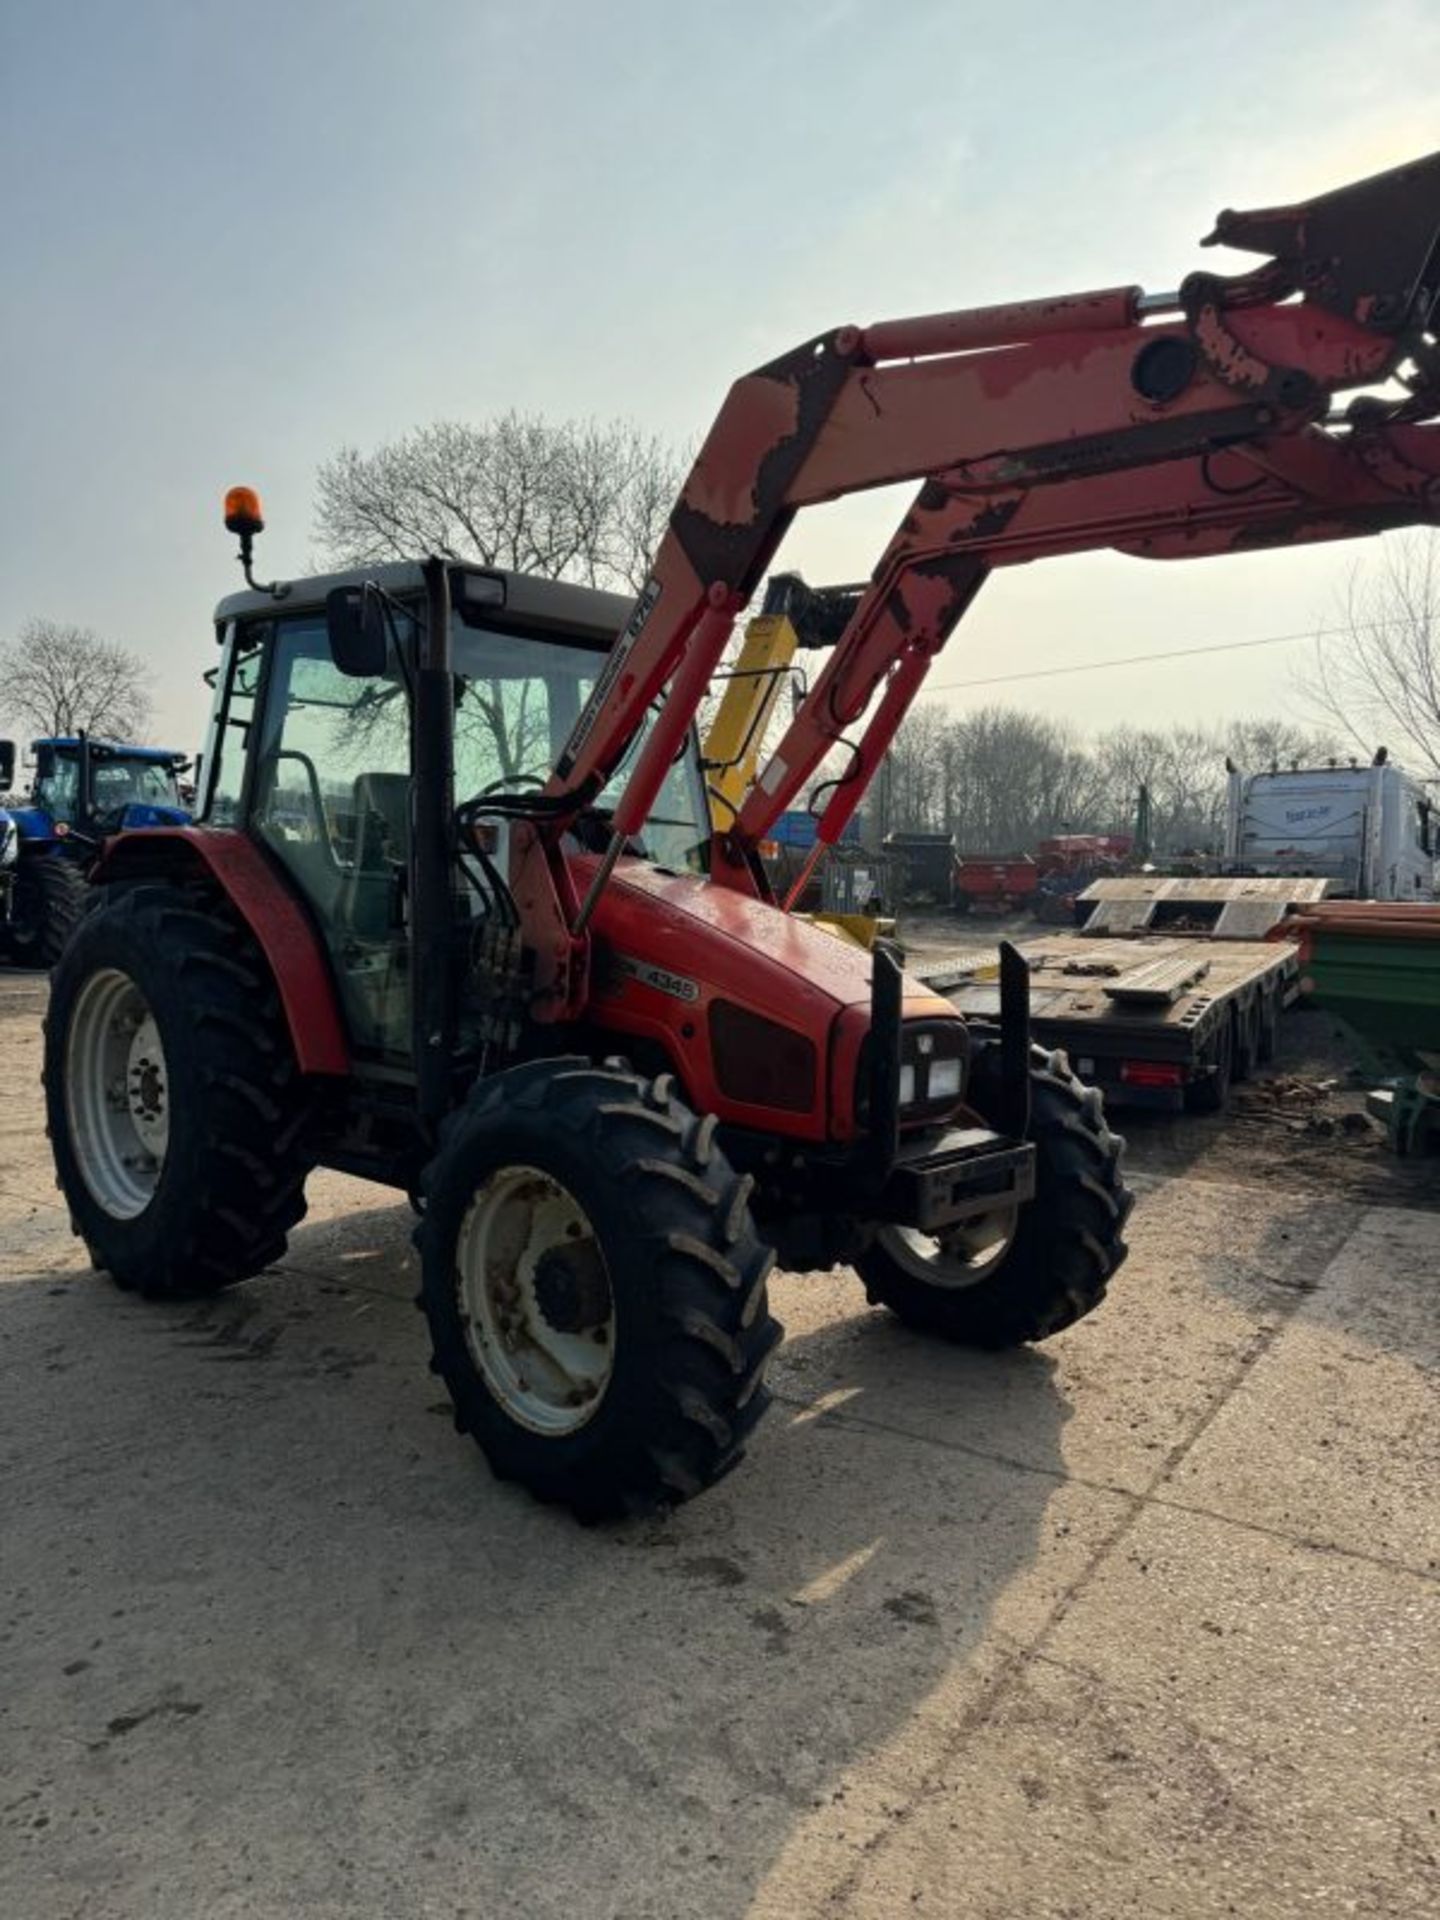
column 254, row 1508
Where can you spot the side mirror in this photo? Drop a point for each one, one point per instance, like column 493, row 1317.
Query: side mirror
column 7, row 763
column 355, row 627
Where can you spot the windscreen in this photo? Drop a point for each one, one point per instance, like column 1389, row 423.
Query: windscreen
column 520, row 698
column 121, row 783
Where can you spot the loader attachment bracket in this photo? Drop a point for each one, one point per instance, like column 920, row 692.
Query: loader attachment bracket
column 1369, row 252
column 887, row 987
column 1013, row 1118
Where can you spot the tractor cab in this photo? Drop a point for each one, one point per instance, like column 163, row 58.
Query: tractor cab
column 322, row 763
column 92, row 788
column 82, row 793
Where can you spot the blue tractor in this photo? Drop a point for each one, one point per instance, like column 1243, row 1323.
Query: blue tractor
column 83, row 790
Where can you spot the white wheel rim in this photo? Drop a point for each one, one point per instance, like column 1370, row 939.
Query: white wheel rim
column 117, row 1093
column 535, row 1300
column 962, row 1256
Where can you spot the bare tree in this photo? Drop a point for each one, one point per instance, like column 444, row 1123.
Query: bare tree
column 1258, row 744
column 59, row 679
column 1380, row 683
column 580, row 500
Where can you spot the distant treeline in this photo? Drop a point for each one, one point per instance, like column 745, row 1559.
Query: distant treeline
column 1000, row 779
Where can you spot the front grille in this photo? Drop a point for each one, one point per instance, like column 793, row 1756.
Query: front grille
column 760, row 1062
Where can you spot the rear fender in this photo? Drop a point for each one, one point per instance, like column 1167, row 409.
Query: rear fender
column 295, row 955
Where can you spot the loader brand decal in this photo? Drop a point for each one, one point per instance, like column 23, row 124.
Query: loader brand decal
column 644, row 607
column 622, row 967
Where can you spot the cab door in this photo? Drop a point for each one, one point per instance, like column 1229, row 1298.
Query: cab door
column 331, row 802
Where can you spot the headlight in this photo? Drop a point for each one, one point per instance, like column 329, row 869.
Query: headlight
column 933, row 1057
column 944, row 1080
column 934, row 1068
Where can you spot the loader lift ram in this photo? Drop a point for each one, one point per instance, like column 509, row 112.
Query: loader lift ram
column 566, row 1009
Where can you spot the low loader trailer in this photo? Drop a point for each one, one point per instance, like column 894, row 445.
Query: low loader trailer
column 1167, row 995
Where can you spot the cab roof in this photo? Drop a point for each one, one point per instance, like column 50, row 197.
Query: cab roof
column 113, row 749
column 529, row 600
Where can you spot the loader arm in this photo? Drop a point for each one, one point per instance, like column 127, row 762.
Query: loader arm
column 1166, row 426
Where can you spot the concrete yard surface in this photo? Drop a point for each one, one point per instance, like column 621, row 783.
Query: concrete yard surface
column 1142, row 1622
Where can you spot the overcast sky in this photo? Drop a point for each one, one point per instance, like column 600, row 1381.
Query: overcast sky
column 237, row 236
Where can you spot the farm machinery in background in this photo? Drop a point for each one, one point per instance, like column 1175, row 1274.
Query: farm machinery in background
column 541, row 988
column 81, row 791
column 1376, row 966
column 929, row 871
column 1046, row 883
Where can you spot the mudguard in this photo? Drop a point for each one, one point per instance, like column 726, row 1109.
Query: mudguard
column 266, row 905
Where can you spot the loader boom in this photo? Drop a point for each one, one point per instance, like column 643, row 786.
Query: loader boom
column 1170, row 426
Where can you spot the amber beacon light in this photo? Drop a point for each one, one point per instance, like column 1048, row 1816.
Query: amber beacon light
column 243, row 516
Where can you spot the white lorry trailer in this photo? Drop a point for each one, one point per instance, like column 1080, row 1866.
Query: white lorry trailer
column 1370, row 830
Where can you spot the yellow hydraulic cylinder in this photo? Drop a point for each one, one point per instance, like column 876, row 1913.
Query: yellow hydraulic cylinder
column 737, row 733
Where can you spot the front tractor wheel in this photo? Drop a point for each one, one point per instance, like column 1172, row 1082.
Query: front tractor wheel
column 595, row 1288
column 1021, row 1273
column 48, row 906
column 174, row 1104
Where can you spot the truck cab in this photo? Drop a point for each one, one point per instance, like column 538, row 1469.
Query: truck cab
column 1370, row 830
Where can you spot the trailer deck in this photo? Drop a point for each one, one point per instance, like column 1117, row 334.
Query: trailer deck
column 1159, row 1019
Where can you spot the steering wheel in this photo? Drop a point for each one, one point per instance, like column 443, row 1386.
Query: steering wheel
column 507, row 782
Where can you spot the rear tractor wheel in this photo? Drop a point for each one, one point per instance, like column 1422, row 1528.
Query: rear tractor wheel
column 595, row 1288
column 1019, row 1273
column 174, row 1104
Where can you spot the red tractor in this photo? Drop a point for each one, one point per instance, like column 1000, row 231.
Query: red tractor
column 455, row 914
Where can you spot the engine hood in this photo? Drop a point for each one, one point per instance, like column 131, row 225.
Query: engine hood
column 142, row 814
column 681, row 961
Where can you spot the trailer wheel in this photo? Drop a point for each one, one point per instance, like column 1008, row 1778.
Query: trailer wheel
column 595, row 1288
column 960, row 901
column 1247, row 1039
column 49, row 902
column 1021, row 1276
column 1211, row 1093
column 174, row 1106
column 1269, row 1037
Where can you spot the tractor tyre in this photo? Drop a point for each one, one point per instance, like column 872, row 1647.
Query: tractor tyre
column 1020, row 1274
column 595, row 1288
column 50, row 901
column 176, row 1112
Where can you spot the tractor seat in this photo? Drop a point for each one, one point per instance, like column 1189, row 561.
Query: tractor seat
column 369, row 896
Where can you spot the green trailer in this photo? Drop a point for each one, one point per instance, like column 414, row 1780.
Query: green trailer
column 1376, row 964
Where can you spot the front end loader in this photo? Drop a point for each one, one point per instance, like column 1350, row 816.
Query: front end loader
column 455, row 914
